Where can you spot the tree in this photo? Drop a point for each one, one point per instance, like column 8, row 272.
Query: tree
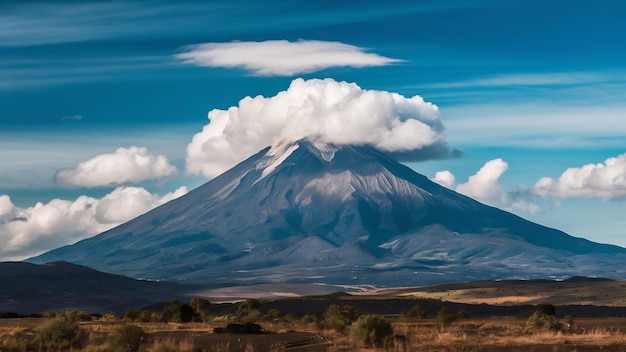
column 371, row 330
column 127, row 338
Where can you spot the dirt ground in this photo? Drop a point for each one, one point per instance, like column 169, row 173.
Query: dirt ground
column 290, row 341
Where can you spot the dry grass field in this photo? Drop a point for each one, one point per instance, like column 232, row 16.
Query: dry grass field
column 492, row 334
column 580, row 291
column 496, row 319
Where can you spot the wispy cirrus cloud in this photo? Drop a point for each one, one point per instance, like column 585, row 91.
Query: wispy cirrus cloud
column 25, row 23
column 532, row 79
column 536, row 125
column 281, row 57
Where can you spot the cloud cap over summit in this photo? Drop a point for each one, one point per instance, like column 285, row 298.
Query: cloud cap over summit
column 325, row 110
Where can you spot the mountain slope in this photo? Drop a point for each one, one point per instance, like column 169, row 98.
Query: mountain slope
column 29, row 288
column 308, row 211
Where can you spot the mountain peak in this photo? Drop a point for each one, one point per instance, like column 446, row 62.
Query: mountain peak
column 354, row 211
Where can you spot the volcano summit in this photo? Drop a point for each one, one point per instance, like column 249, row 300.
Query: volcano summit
column 337, row 214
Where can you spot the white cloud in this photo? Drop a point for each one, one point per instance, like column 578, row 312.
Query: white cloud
column 606, row 180
column 281, row 57
column 125, row 165
column 484, row 184
column 25, row 232
column 125, row 203
column 7, row 209
column 331, row 111
column 445, row 178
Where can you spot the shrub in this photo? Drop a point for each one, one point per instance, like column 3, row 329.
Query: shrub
column 371, row 330
column 74, row 315
column 569, row 321
column 248, row 311
column 414, row 312
column 131, row 314
column 545, row 309
column 339, row 318
column 201, row 307
column 172, row 313
column 60, row 334
column 251, row 316
column 127, row 338
column 542, row 322
column 186, row 313
column 445, row 317
column 272, row 315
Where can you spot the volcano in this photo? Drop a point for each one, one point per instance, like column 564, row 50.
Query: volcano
column 314, row 212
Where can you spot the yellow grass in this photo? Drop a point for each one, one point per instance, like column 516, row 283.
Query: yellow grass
column 493, row 334
column 607, row 293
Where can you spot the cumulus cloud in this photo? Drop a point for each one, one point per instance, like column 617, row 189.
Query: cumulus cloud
column 445, row 178
column 280, row 57
column 605, row 180
column 125, row 165
column 330, row 111
column 484, row 184
column 7, row 209
column 25, row 232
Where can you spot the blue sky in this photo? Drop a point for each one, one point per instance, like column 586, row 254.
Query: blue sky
column 533, row 87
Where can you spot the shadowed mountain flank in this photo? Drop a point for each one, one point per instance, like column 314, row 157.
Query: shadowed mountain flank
column 30, row 288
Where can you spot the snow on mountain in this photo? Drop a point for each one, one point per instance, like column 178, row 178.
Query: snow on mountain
column 314, row 212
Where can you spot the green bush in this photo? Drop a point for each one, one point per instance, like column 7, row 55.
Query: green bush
column 371, row 330
column 127, row 338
